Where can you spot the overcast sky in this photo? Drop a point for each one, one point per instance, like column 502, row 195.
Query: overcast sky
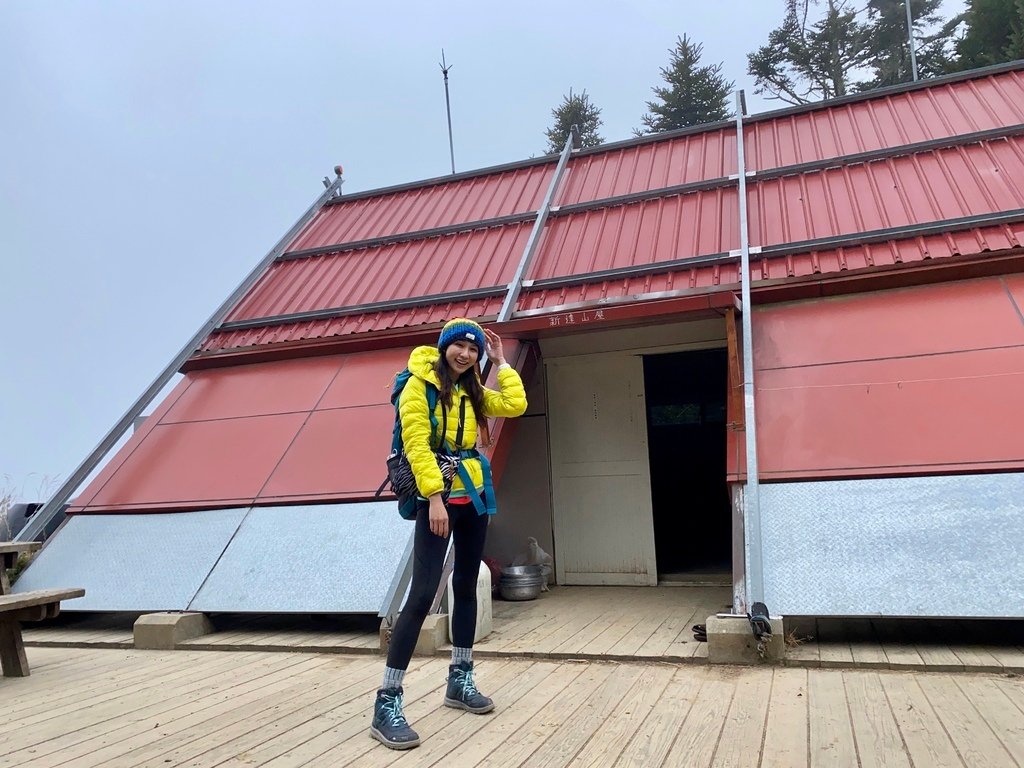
column 153, row 152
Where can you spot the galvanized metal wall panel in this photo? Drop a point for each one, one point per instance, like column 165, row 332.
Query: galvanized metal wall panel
column 154, row 562
column 917, row 546
column 337, row 558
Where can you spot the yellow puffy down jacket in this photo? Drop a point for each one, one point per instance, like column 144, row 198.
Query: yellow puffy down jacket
column 509, row 401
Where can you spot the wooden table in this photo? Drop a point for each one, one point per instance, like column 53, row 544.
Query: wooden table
column 36, row 605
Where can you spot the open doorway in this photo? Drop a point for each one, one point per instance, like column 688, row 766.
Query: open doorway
column 686, row 428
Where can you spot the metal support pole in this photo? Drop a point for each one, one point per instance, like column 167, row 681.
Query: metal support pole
column 516, row 285
column 910, row 40
column 751, row 496
column 37, row 524
column 448, row 106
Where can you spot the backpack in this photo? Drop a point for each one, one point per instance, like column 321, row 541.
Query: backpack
column 449, row 460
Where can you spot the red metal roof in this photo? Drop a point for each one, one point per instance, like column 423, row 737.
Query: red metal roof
column 457, row 202
column 266, row 433
column 933, row 184
column 937, row 111
column 483, row 257
column 640, row 167
column 930, row 186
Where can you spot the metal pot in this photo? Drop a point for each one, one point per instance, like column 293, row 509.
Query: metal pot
column 519, row 571
column 521, row 582
column 520, row 590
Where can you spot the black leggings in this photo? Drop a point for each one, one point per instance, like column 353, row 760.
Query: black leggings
column 469, row 530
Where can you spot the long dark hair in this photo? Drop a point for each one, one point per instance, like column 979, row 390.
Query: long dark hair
column 470, row 383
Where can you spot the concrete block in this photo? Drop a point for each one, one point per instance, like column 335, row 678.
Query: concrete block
column 164, row 631
column 433, row 635
column 730, row 641
column 484, row 609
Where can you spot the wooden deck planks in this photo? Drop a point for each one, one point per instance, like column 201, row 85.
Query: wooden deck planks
column 309, row 709
column 785, row 743
column 924, row 737
column 879, row 743
column 831, row 732
column 739, row 744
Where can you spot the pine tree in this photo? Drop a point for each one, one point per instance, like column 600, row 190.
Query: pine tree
column 694, row 94
column 805, row 62
column 575, row 109
column 994, row 34
column 890, row 59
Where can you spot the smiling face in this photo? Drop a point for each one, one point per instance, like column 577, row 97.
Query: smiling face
column 460, row 357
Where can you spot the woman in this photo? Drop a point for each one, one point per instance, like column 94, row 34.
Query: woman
column 463, row 403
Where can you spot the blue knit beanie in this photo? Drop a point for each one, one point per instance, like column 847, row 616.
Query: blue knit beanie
column 462, row 329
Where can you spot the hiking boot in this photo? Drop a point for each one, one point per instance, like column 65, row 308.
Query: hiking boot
column 389, row 725
column 462, row 692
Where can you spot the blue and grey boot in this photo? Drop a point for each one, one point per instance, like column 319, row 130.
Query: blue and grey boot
column 462, row 692
column 389, row 725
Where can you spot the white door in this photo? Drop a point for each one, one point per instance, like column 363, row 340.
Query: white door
column 601, row 483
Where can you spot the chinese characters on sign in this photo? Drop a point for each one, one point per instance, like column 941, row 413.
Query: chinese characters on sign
column 572, row 318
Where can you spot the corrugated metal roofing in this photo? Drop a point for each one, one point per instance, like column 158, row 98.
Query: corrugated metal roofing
column 458, row 202
column 467, row 260
column 931, row 185
column 637, row 168
column 939, row 111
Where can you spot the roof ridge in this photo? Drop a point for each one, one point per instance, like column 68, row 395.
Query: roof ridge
column 878, row 93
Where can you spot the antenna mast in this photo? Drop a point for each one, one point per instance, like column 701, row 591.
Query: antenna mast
column 448, row 105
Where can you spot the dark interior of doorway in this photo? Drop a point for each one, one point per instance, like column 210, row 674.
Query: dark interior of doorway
column 686, row 418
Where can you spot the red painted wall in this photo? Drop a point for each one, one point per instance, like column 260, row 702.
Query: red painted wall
column 911, row 381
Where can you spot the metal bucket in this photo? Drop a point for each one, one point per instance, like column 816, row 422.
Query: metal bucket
column 521, row 582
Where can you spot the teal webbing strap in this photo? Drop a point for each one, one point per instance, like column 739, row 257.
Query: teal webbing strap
column 486, row 505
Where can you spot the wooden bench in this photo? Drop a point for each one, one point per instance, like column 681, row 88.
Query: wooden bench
column 25, row 606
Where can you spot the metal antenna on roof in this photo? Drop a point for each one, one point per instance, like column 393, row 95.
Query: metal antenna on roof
column 910, row 40
column 448, row 105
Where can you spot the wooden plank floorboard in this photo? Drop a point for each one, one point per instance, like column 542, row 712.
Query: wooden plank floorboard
column 1003, row 715
column 261, row 710
column 879, row 743
column 785, row 742
column 579, row 729
column 739, row 745
column 354, row 687
column 83, row 743
column 548, row 718
column 926, row 740
column 651, row 742
column 497, row 679
column 973, row 736
column 831, row 733
column 351, row 720
column 607, row 744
